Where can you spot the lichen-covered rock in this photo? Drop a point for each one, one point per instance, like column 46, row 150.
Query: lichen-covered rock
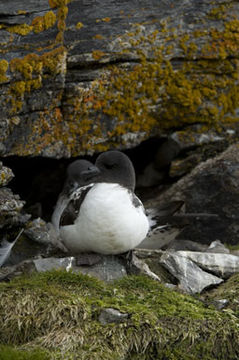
column 6, row 175
column 76, row 80
column 10, row 209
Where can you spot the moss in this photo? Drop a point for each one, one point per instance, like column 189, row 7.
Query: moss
column 10, row 353
column 58, row 311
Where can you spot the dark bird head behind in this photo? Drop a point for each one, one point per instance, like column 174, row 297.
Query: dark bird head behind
column 80, row 173
column 116, row 167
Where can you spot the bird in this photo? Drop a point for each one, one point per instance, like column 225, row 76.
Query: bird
column 103, row 214
column 108, row 217
column 79, row 176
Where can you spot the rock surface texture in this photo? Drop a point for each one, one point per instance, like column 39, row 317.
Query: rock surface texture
column 211, row 195
column 78, row 77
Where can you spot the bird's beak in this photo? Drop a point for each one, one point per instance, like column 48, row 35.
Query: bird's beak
column 91, row 173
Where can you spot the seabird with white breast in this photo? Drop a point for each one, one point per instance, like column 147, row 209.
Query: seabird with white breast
column 110, row 219
column 105, row 216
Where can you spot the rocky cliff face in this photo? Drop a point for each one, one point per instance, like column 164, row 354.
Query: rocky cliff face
column 78, row 77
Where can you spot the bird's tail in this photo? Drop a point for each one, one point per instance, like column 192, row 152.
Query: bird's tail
column 6, row 247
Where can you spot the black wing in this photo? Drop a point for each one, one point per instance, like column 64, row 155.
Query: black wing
column 72, row 210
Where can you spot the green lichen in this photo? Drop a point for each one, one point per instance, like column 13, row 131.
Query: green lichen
column 57, row 312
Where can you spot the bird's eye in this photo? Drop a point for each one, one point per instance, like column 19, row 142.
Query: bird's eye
column 109, row 166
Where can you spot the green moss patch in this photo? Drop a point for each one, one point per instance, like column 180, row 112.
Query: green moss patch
column 10, row 353
column 57, row 312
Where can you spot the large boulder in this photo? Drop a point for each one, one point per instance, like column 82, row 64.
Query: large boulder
column 78, row 78
column 211, row 195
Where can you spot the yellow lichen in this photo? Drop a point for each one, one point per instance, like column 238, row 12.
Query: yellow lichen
column 97, row 54
column 22, row 12
column 33, row 68
column 58, row 3
column 79, row 25
column 42, row 23
column 153, row 95
column 3, row 70
column 22, row 29
column 106, row 19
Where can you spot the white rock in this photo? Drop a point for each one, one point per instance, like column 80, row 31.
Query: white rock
column 191, row 278
column 223, row 265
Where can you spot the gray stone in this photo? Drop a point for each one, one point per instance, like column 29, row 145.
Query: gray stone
column 191, row 278
column 211, row 195
column 38, row 230
column 109, row 315
column 54, row 263
column 221, row 303
column 179, row 244
column 138, row 266
column 223, row 265
column 218, row 247
column 108, row 269
column 193, row 135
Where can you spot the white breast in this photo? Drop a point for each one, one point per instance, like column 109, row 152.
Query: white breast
column 108, row 223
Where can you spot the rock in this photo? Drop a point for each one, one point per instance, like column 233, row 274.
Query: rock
column 11, row 272
column 222, row 265
column 109, row 315
column 47, row 264
column 188, row 245
column 191, row 278
column 217, row 247
column 180, row 167
column 12, row 219
column 138, row 266
column 38, row 230
column 108, row 269
column 75, row 70
column 6, row 175
column 221, row 303
column 194, row 136
column 211, row 195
